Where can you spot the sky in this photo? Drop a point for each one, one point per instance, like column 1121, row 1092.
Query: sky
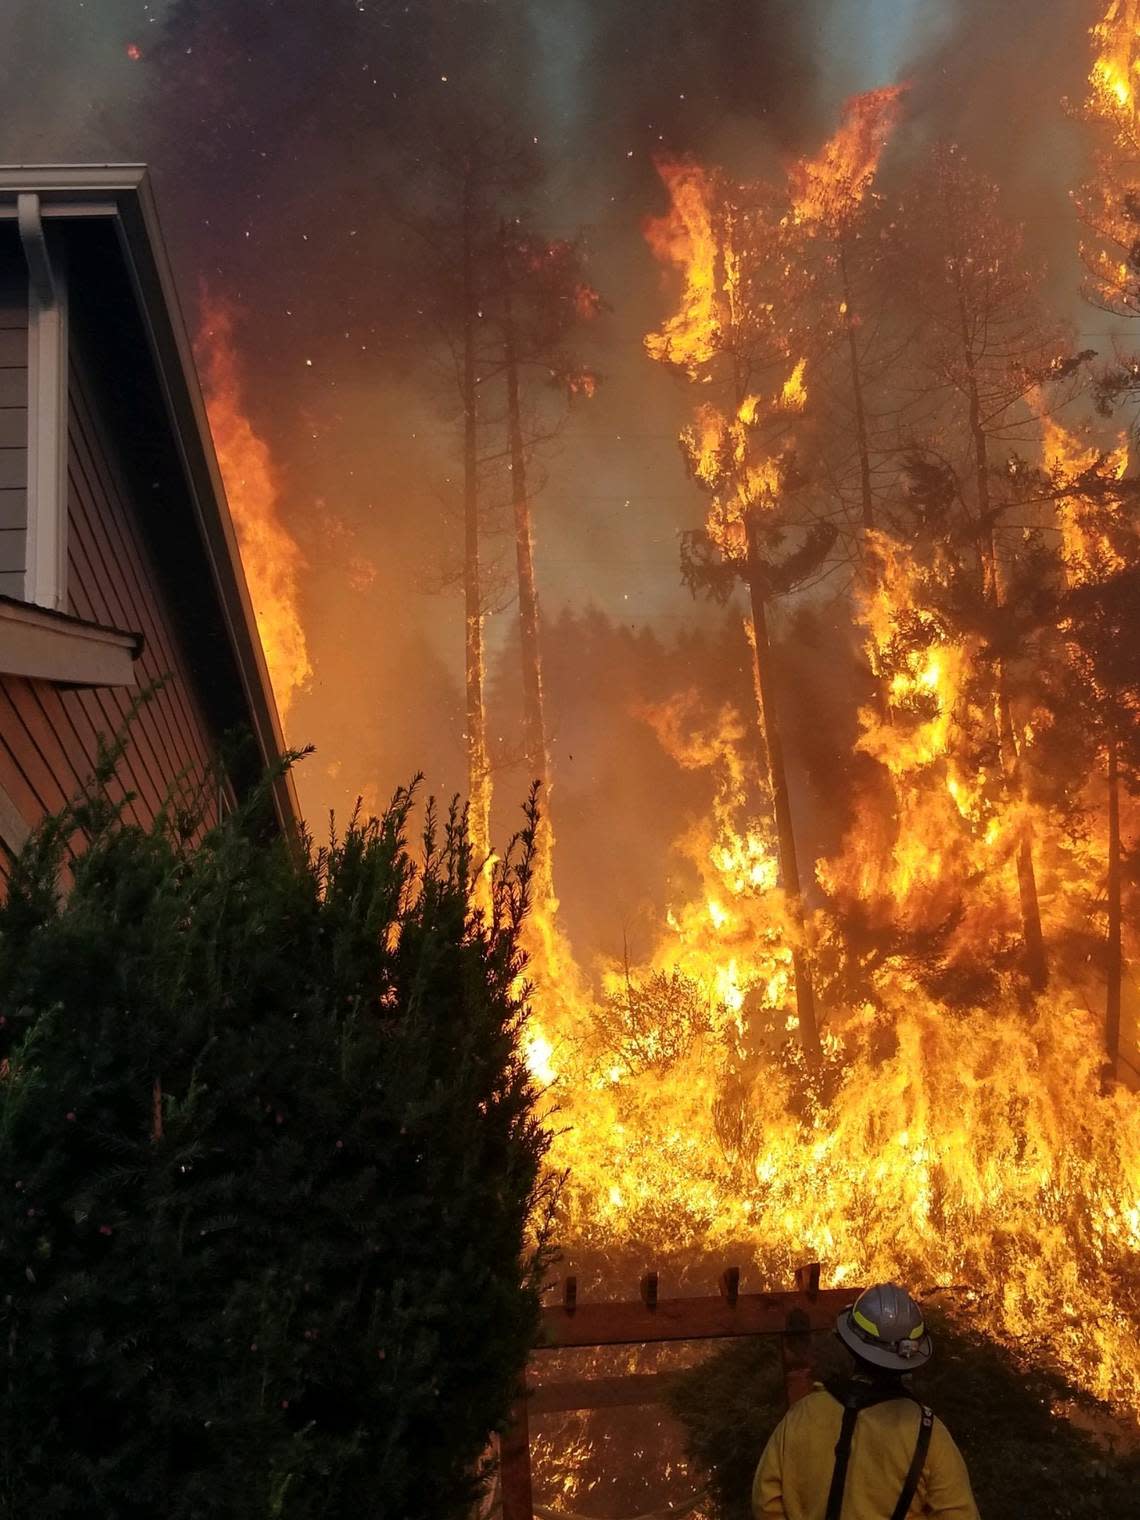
column 279, row 134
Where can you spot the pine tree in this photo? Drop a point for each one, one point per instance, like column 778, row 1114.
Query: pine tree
column 1092, row 691
column 737, row 332
column 988, row 347
column 543, row 295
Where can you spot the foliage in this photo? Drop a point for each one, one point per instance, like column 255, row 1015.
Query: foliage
column 653, row 1024
column 1024, row 1455
column 268, row 1168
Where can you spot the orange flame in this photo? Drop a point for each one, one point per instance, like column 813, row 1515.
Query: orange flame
column 1089, row 552
column 965, row 1137
column 829, row 187
column 684, row 237
column 1116, row 66
column 971, row 1146
column 270, row 556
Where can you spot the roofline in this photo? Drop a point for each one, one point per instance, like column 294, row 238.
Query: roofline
column 123, row 194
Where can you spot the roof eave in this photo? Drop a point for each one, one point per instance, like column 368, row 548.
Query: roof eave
column 123, row 192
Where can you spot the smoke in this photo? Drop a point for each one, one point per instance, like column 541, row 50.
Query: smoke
column 280, row 132
column 868, row 43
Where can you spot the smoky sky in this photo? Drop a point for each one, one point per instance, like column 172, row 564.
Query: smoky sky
column 283, row 136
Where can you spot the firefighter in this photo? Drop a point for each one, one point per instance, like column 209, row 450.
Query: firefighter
column 866, row 1450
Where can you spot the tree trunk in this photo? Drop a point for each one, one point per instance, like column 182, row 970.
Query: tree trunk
column 862, row 441
column 1113, row 959
column 534, row 720
column 1036, row 963
column 873, row 566
column 478, row 765
column 785, row 834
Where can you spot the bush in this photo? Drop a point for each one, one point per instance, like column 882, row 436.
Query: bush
column 268, row 1167
column 1025, row 1457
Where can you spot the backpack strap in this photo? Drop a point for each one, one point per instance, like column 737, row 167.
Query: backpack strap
column 842, row 1458
column 917, row 1463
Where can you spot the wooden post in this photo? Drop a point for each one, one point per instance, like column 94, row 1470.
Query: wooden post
column 807, row 1279
column 649, row 1290
column 795, row 1343
column 730, row 1285
column 514, row 1466
column 795, row 1355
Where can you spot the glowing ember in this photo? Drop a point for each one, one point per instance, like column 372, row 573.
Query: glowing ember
column 270, row 557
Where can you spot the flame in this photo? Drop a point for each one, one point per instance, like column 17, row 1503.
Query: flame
column 959, row 1132
column 721, row 457
column 1089, row 551
column 971, row 1146
column 827, row 189
column 684, row 237
column 1116, row 38
column 793, row 397
column 270, row 556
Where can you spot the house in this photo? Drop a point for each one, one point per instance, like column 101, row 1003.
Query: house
column 119, row 569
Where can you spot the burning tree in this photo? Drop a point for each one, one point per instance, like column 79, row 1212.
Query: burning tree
column 1093, row 693
column 964, row 1133
column 988, row 349
column 1109, row 204
column 740, row 451
column 770, row 281
column 837, row 235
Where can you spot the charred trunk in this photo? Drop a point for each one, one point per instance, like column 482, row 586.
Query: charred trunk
column 1113, row 958
column 1036, row 963
column 873, row 564
column 861, row 438
column 478, row 765
column 785, row 833
column 534, row 719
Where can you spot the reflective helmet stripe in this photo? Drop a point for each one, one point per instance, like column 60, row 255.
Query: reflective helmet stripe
column 864, row 1323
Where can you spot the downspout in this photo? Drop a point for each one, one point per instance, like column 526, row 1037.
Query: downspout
column 45, row 556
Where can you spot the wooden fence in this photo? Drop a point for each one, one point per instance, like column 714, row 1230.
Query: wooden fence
column 650, row 1320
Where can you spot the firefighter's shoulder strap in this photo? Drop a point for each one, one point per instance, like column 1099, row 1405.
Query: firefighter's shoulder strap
column 917, row 1463
column 851, row 1407
column 842, row 1458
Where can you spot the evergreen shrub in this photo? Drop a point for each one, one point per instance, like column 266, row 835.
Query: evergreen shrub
column 269, row 1169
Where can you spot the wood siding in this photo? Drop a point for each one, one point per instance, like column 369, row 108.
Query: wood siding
column 49, row 736
column 13, row 413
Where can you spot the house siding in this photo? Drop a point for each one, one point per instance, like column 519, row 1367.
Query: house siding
column 50, row 736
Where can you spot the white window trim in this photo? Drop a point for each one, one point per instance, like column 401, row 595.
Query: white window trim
column 45, row 573
column 43, row 645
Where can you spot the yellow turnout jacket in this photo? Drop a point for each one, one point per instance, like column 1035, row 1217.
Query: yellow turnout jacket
column 794, row 1476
